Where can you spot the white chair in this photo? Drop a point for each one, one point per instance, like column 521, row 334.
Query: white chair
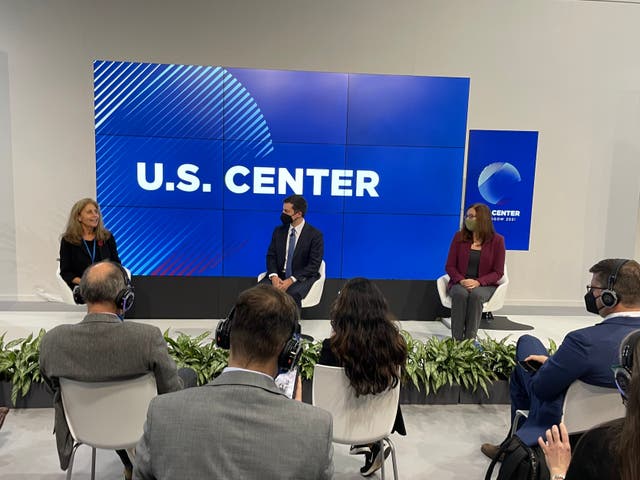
column 65, row 292
column 496, row 302
column 584, row 407
column 356, row 420
column 108, row 415
column 315, row 293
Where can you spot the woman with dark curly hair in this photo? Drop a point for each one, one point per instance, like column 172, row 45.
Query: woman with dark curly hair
column 85, row 241
column 366, row 342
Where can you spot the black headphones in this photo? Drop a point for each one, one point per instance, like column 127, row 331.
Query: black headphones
column 126, row 296
column 623, row 372
column 609, row 297
column 288, row 357
column 124, row 299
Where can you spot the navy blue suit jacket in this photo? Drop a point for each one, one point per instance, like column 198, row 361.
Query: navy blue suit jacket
column 307, row 256
column 586, row 354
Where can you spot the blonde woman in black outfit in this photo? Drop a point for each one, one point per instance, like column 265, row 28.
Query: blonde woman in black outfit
column 85, row 242
column 366, row 342
column 610, row 451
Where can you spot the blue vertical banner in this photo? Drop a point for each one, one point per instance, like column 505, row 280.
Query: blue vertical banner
column 501, row 170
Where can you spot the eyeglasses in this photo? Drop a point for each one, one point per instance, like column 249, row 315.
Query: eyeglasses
column 470, row 216
column 622, row 377
column 591, row 287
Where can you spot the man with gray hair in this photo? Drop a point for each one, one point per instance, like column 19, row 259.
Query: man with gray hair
column 102, row 347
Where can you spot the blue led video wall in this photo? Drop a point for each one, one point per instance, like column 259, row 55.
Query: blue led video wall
column 193, row 163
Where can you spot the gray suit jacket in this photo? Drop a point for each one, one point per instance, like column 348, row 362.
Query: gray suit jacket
column 102, row 348
column 239, row 426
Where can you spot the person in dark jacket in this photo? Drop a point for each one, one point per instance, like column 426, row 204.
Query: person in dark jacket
column 85, row 242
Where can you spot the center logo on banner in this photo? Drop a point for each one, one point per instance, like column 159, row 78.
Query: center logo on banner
column 500, row 184
column 203, row 156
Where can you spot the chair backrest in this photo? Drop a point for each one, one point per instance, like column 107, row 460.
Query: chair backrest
column 505, row 277
column 315, row 293
column 356, row 420
column 65, row 292
column 586, row 406
column 107, row 415
column 442, row 285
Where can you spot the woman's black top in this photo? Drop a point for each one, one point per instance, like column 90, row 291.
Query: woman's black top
column 74, row 259
column 474, row 264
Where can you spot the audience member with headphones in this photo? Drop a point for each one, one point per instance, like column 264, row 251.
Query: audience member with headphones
column 241, row 425
column 102, row 347
column 586, row 354
column 609, row 451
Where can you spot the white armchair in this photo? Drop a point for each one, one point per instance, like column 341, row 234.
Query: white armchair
column 496, row 302
column 584, row 407
column 315, row 293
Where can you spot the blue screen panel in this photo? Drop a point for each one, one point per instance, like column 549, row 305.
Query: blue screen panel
column 306, row 107
column 409, row 180
column 331, row 225
column 191, row 156
column 400, row 247
column 407, row 111
column 158, row 172
column 149, row 99
column 245, row 250
column 167, row 242
column 258, row 184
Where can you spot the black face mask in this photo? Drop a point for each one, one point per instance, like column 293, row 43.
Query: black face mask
column 285, row 219
column 590, row 303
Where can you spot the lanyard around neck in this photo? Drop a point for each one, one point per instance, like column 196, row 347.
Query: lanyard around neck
column 91, row 253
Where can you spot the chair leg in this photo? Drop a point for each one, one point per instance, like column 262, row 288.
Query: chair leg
column 71, row 460
column 394, row 461
column 381, row 442
column 93, row 463
column 516, row 420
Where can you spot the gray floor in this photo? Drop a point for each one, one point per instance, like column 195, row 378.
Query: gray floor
column 443, row 441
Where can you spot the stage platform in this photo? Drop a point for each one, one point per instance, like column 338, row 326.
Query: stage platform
column 19, row 319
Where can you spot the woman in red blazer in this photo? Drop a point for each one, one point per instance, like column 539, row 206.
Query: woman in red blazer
column 475, row 265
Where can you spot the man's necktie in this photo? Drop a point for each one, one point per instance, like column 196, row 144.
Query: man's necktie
column 292, row 247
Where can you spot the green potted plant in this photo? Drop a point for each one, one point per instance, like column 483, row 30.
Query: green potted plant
column 20, row 372
column 198, row 353
column 413, row 373
column 452, row 366
column 498, row 357
column 308, row 359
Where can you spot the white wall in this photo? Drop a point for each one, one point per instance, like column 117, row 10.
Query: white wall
column 8, row 275
column 568, row 69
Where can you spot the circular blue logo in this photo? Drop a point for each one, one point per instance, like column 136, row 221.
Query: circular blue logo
column 497, row 182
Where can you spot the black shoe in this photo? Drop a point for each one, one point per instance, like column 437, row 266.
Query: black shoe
column 374, row 460
column 3, row 414
column 359, row 449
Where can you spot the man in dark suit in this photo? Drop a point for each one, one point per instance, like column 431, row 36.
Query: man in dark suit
column 241, row 425
column 586, row 354
column 295, row 252
column 102, row 348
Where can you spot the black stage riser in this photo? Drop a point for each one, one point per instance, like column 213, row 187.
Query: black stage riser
column 213, row 297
